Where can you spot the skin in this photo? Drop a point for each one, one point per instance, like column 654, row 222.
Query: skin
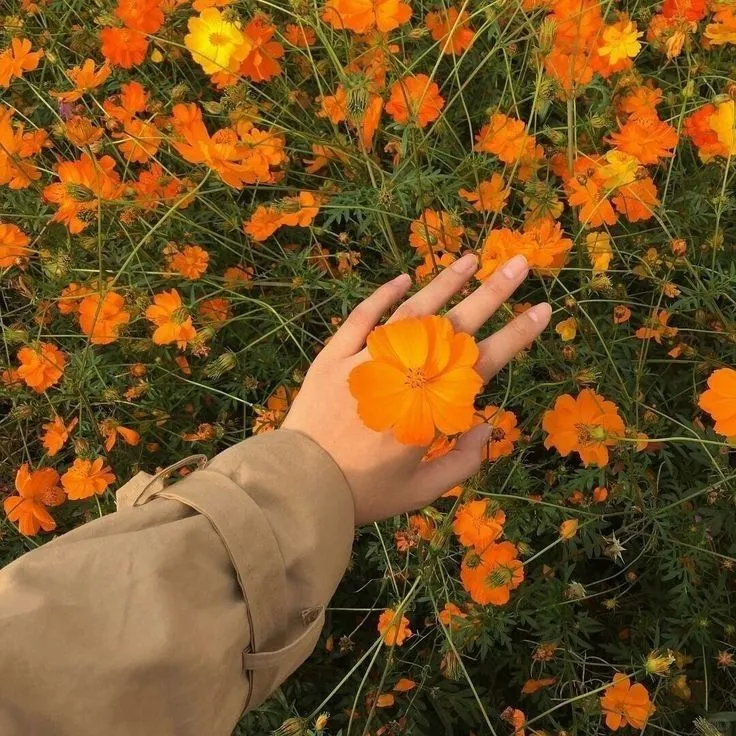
column 385, row 477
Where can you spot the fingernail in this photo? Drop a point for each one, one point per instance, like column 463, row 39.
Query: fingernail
column 515, row 267
column 466, row 264
column 540, row 313
column 401, row 279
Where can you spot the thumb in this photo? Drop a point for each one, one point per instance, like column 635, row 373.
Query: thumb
column 432, row 479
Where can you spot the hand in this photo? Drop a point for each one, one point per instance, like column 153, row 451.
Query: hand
column 386, row 477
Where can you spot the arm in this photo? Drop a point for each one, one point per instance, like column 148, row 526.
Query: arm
column 174, row 616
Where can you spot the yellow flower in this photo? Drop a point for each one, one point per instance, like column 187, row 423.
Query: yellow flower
column 599, row 251
column 215, row 43
column 620, row 41
column 620, row 170
column 567, row 329
column 568, row 529
column 723, row 122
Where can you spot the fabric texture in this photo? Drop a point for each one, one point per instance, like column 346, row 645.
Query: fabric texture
column 175, row 615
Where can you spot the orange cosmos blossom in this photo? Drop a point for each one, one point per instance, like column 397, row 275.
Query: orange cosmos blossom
column 141, row 15
column 489, row 576
column 55, row 434
column 215, row 311
column 625, row 704
column 124, row 47
column 17, row 59
column 435, row 231
column 363, row 16
column 542, row 244
column 83, row 184
column 240, row 155
column 719, row 400
column 261, row 63
column 86, row 478
column 274, row 413
column 478, row 523
column 13, row 246
column 657, row 327
column 173, row 323
column 415, row 98
column 393, row 628
column 298, row 211
column 28, row 509
column 189, row 261
column 503, row 434
column 587, row 424
column 335, row 108
column 647, row 138
column 420, row 380
column 41, row 367
column 299, row 36
column 506, row 137
column 452, row 616
column 15, row 147
column 490, row 196
column 112, row 429
column 84, row 78
column 101, row 317
column 451, row 29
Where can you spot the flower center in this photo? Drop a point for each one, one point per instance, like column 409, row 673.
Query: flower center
column 218, row 39
column 499, row 577
column 415, row 378
column 497, row 435
column 590, row 434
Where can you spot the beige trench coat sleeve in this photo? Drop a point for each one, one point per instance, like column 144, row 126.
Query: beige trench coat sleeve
column 176, row 615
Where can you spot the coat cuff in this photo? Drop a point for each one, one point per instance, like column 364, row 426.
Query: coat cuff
column 284, row 512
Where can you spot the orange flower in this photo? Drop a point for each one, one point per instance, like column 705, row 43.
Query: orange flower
column 587, row 424
column 71, row 297
column 719, row 400
column 190, row 261
column 173, row 323
column 123, row 46
column 625, row 704
column 28, row 509
column 656, row 327
column 490, row 196
column 16, row 60
column 84, row 78
column 101, row 317
column 55, row 434
column 13, row 246
column 81, row 132
column 648, row 139
column 260, row 64
column 542, row 244
column 621, row 314
column 244, row 155
column 452, row 616
column 436, row 231
column 433, row 264
column 478, row 523
column 504, row 433
column 637, row 201
column 422, row 526
column 238, row 277
column 640, row 101
column 415, row 98
column 393, row 628
column 215, row 311
column 82, row 186
column 507, row 138
column 568, row 529
column 139, row 140
column 112, row 429
column 532, row 686
column 141, row 15
column 15, row 146
column 294, row 211
column 277, row 405
column 491, row 575
column 600, row 494
column 691, row 10
column 86, row 478
column 451, row 29
column 299, row 36
column 41, row 367
column 363, row 16
column 420, row 380
column 571, row 71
